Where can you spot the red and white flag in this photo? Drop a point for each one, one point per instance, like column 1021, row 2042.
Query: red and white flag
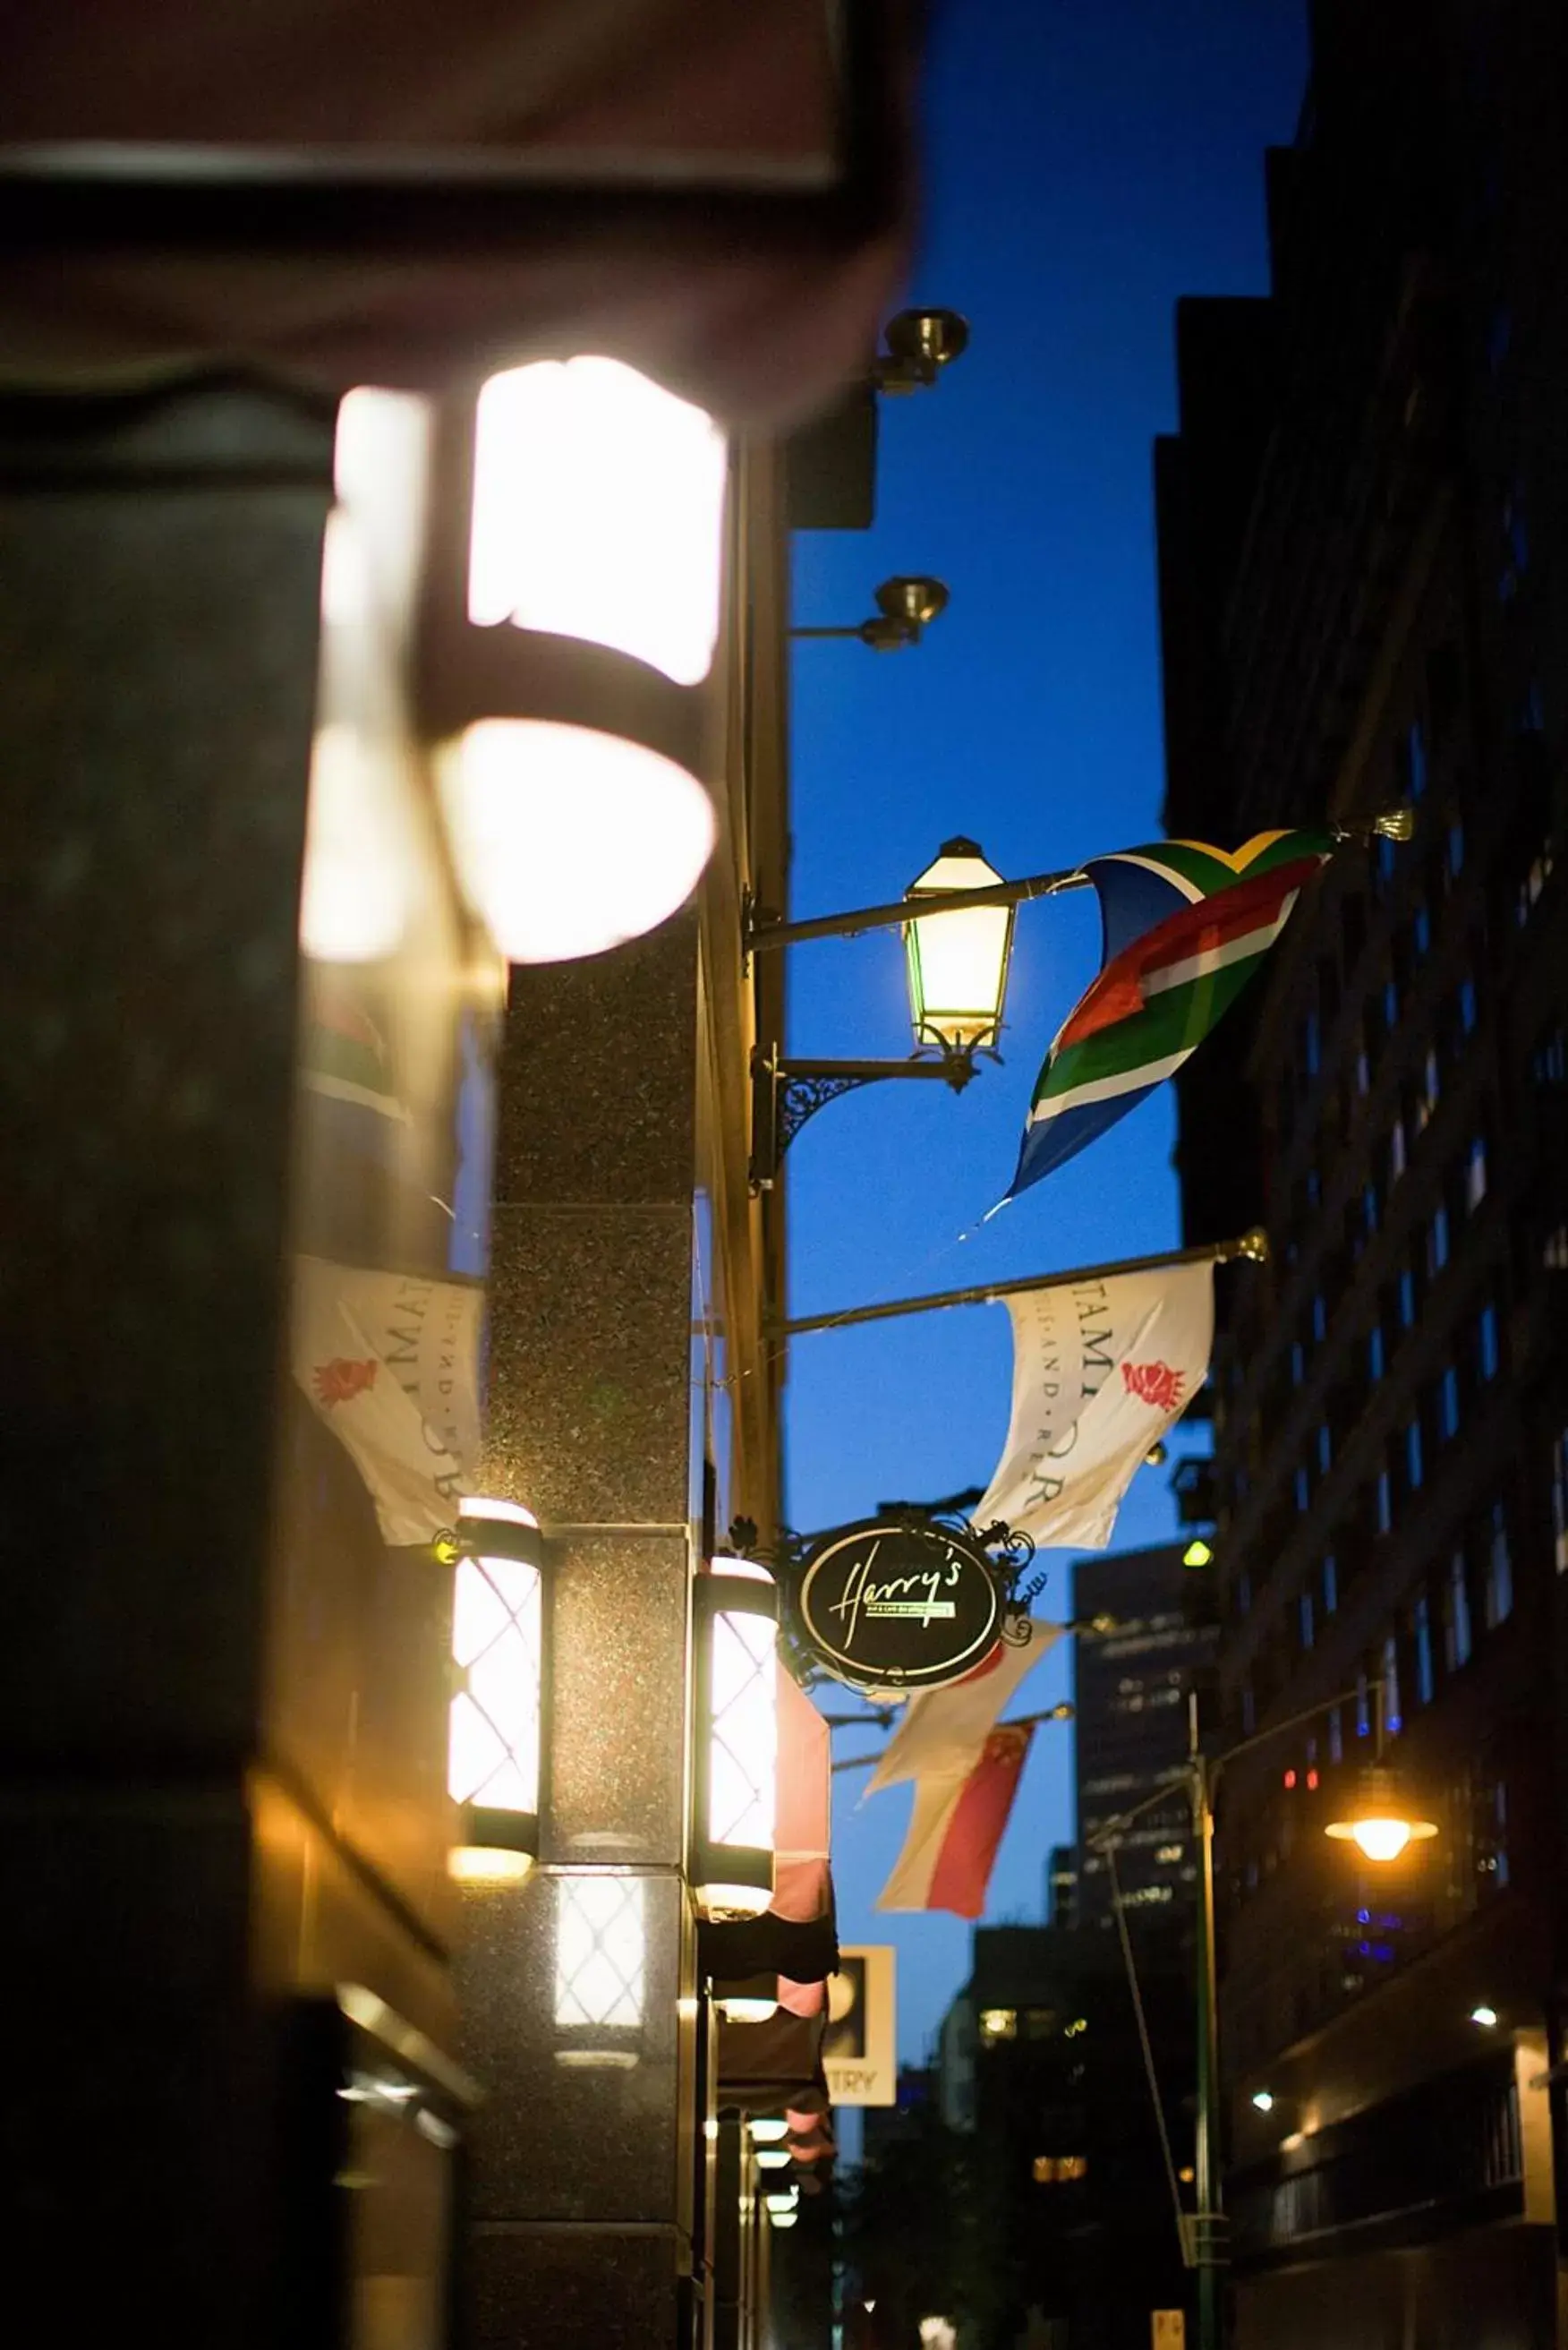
column 956, row 1828
column 944, row 1729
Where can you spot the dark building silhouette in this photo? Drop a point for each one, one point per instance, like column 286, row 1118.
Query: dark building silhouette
column 1130, row 1690
column 1363, row 569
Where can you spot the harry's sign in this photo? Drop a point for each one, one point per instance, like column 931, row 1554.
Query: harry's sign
column 892, row 1606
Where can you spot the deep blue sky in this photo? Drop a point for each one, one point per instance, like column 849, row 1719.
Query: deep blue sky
column 1085, row 166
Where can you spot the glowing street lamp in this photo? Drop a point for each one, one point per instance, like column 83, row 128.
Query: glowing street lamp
column 957, row 963
column 1380, row 1819
column 735, row 1609
column 574, row 575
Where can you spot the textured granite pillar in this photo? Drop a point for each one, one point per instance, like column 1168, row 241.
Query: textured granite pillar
column 585, row 2156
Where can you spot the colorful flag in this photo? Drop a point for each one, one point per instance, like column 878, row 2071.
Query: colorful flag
column 944, row 1729
column 1184, row 928
column 1100, row 1370
column 344, row 1055
column 955, row 1829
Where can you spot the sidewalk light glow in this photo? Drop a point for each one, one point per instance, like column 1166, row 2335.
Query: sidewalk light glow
column 1379, row 1821
column 498, row 1654
column 736, row 1630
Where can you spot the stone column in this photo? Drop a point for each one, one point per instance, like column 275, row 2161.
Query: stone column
column 586, row 2156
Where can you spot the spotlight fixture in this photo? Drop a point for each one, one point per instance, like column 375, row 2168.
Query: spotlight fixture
column 921, row 344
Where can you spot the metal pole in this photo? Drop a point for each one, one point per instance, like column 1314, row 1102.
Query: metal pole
column 1253, row 1245
column 1209, row 2220
column 763, row 930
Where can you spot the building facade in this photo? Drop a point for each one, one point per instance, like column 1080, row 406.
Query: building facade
column 1131, row 1687
column 1363, row 530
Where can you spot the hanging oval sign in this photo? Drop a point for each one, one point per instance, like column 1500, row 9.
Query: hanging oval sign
column 888, row 1606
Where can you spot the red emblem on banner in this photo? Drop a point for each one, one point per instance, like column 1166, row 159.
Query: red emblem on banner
column 1154, row 1383
column 342, row 1380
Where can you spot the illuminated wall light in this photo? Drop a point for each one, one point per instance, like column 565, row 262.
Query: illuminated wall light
column 1264, row 2100
column 569, row 632
column 496, row 1740
column 1485, row 2016
column 957, row 963
column 780, row 2198
column 767, row 2129
column 773, row 2158
column 735, row 1609
column 753, row 2000
column 785, row 2220
column 601, row 1950
column 598, row 512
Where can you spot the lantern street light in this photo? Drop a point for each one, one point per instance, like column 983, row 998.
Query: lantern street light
column 734, row 1777
column 906, row 607
column 573, row 577
column 1382, row 1823
column 921, row 344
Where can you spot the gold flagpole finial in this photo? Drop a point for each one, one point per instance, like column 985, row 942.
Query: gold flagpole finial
column 1254, row 1245
column 1396, row 823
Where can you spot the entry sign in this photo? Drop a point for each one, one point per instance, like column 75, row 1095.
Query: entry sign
column 1170, row 2329
column 892, row 1606
column 858, row 2046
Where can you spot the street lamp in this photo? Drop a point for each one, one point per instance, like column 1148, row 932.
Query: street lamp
column 735, row 1781
column 1381, row 1823
column 921, row 344
column 906, row 607
column 956, row 920
column 573, row 568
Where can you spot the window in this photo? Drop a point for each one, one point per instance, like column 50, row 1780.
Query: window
column 1369, row 1208
column 1487, row 1347
column 1407, row 1294
column 1330, row 1584
column 1415, row 761
column 1560, row 1500
column 1303, row 1490
column 1335, row 1735
column 1467, row 1007
column 1393, row 1720
column 1319, row 1318
column 1456, row 849
column 1498, row 1569
column 1383, row 1503
column 1396, row 1150
column 1437, row 1242
column 1421, row 932
column 1385, row 865
column 1431, row 1084
column 1298, row 1362
column 1449, row 1404
column 1457, row 1615
column 1421, row 1625
column 1363, row 1708
column 1413, row 1466
column 1375, row 1353
column 1474, row 1174
column 1324, row 1447
column 1390, row 1005
column 1307, row 1626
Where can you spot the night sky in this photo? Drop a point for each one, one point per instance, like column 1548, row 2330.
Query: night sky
column 1085, row 166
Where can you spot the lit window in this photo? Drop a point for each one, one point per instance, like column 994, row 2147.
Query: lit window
column 1423, row 1631
column 1362, row 1707
column 600, row 1952
column 1330, row 1584
column 1437, row 1241
column 1390, row 1005
column 1393, row 1720
column 1169, row 1855
column 1384, row 1503
column 1415, row 761
column 1467, row 1011
column 1422, row 931
column 1298, row 1362
column 1375, row 1359
column 999, row 2023
column 1487, row 1350
column 1308, row 1629
column 1457, row 1615
column 1303, row 1490
column 1369, row 1208
column 1414, row 1465
column 1319, row 1318
column 1335, row 1734
column 1449, row 1403
column 1324, row 1447
column 1456, row 849
column 1431, row 1080
column 1407, row 1294
column 1396, row 1150
column 1498, row 1569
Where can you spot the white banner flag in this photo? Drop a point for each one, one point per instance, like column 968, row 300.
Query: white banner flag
column 1100, row 1370
column 390, row 1363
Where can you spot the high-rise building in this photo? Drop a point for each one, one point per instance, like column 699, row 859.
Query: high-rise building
column 1130, row 1692
column 1364, row 567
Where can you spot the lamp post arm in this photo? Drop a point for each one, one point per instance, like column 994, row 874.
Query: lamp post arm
column 765, row 931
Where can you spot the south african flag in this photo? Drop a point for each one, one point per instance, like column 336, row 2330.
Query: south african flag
column 1185, row 927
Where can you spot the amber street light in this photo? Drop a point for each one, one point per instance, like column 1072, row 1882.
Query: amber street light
column 1381, row 1819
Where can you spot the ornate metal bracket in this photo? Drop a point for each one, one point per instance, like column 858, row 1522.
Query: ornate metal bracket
column 785, row 1093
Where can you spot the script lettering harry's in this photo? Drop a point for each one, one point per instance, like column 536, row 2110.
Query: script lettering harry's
column 887, row 1605
column 900, row 1595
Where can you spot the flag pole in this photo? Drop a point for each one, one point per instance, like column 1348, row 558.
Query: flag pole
column 1253, row 1246
column 1063, row 1712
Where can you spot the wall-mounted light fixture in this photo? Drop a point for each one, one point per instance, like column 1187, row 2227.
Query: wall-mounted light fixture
column 753, row 1999
column 735, row 1713
column 906, row 607
column 956, row 920
column 601, row 1953
column 495, row 1741
column 767, row 2129
column 574, row 569
column 921, row 344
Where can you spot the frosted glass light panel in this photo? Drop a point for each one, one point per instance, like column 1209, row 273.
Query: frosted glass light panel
column 738, row 1771
column 601, row 1950
column 567, row 841
column 958, row 964
column 598, row 512
column 498, row 1653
